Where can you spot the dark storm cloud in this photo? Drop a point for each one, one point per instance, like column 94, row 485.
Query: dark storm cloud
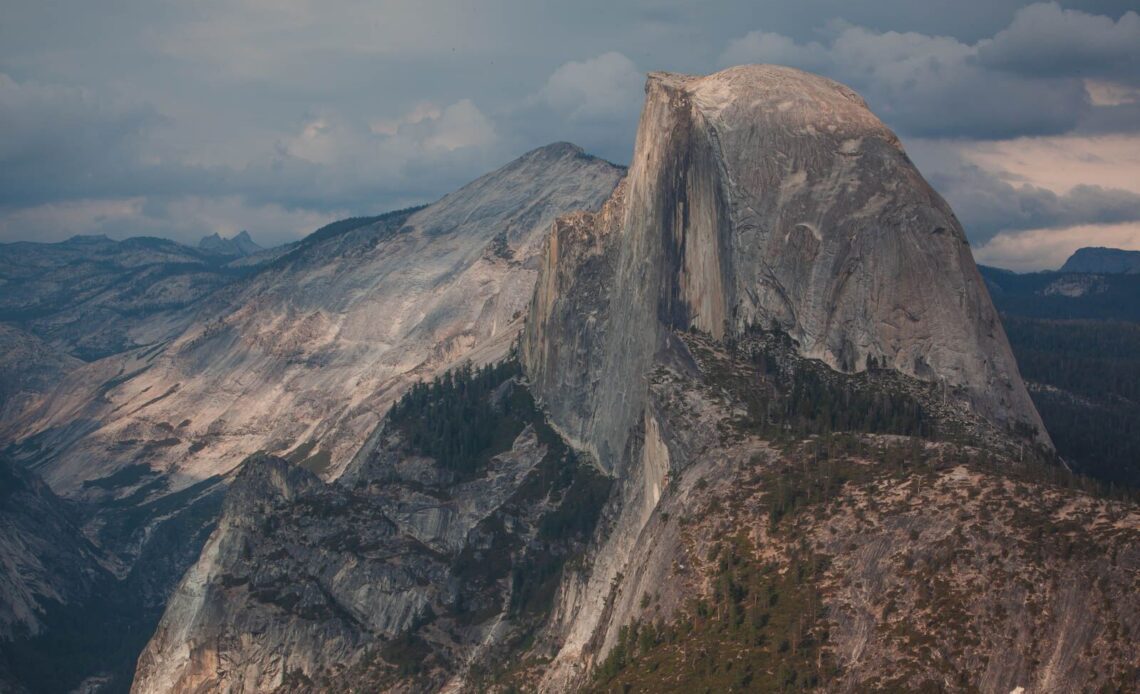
column 1028, row 79
column 988, row 205
column 1045, row 40
column 59, row 141
column 181, row 119
column 1117, row 118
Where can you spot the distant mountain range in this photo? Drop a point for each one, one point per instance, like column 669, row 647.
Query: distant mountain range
column 91, row 296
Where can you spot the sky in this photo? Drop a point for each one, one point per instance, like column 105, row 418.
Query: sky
column 181, row 119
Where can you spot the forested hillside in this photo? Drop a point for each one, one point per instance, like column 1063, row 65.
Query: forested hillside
column 1077, row 342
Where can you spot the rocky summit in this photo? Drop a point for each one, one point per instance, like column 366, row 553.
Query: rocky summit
column 764, row 197
column 747, row 420
column 1107, row 261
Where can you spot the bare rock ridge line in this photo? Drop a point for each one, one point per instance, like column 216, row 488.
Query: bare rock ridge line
column 762, row 196
column 267, row 364
column 1109, row 261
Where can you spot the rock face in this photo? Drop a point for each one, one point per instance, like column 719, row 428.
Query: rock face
column 71, row 612
column 409, row 568
column 758, row 197
column 763, row 196
column 297, row 351
column 44, row 556
column 54, row 590
column 1104, row 261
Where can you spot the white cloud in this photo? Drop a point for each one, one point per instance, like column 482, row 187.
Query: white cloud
column 459, row 125
column 925, row 85
column 1106, row 93
column 770, row 47
column 1047, row 249
column 1062, row 163
column 420, row 112
column 993, row 189
column 605, row 87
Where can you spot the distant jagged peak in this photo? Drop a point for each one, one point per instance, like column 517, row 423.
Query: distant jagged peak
column 241, row 244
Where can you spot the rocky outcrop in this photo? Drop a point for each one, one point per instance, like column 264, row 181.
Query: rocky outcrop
column 405, row 572
column 763, row 196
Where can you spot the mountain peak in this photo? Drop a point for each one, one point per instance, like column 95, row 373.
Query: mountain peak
column 763, row 196
column 1103, row 261
column 239, row 245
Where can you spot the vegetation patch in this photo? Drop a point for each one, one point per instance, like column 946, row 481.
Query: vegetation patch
column 452, row 420
column 760, row 629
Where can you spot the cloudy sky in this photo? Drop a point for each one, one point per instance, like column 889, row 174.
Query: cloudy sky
column 179, row 119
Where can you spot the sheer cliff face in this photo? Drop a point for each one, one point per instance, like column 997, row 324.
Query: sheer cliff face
column 763, row 196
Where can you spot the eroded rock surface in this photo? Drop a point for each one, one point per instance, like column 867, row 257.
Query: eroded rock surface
column 405, row 573
column 298, row 351
column 763, row 196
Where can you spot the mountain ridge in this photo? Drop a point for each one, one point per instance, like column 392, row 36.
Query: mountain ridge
column 754, row 456
column 301, row 355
